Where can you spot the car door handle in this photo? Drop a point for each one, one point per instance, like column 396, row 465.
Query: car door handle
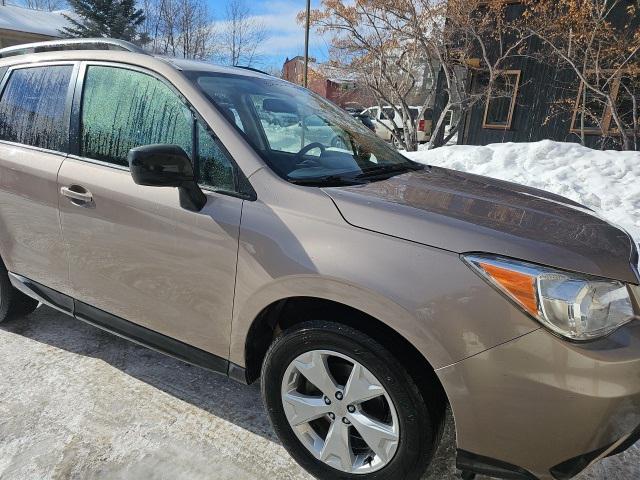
column 77, row 194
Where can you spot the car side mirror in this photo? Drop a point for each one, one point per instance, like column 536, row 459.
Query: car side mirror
column 167, row 166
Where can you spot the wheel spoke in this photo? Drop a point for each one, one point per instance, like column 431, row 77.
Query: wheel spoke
column 301, row 408
column 361, row 386
column 313, row 366
column 380, row 437
column 337, row 449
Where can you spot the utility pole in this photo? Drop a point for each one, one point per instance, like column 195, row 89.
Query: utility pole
column 306, row 46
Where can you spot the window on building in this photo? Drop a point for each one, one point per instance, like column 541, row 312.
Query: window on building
column 33, row 104
column 123, row 109
column 591, row 114
column 501, row 100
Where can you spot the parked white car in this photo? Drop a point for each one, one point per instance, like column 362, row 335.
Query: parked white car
column 386, row 120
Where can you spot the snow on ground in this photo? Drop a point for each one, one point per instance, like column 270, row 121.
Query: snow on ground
column 606, row 181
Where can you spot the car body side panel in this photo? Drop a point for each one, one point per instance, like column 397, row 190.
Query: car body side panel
column 30, row 238
column 427, row 295
column 563, row 400
column 137, row 254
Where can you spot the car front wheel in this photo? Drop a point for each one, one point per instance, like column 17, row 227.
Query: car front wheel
column 344, row 407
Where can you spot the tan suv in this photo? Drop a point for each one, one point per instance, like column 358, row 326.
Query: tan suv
column 184, row 206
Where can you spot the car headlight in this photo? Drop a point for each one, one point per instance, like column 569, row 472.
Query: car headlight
column 576, row 306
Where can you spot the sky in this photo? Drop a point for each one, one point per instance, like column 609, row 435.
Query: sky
column 286, row 36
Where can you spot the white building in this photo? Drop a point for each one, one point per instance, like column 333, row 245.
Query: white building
column 22, row 25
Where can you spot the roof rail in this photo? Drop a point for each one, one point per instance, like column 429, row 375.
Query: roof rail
column 71, row 44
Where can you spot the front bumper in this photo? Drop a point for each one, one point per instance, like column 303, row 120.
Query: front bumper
column 541, row 407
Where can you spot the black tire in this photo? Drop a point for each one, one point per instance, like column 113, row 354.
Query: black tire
column 418, row 438
column 396, row 141
column 13, row 303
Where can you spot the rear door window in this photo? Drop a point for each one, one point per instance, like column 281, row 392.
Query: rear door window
column 32, row 107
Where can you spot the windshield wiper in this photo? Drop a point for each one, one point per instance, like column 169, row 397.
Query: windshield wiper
column 382, row 170
column 327, row 181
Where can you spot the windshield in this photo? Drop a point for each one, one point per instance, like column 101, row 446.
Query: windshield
column 302, row 137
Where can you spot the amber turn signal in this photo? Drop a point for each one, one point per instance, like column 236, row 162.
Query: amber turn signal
column 520, row 286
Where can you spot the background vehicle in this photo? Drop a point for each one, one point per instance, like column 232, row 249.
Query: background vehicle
column 387, row 120
column 158, row 199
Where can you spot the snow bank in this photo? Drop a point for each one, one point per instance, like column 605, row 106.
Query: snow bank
column 608, row 182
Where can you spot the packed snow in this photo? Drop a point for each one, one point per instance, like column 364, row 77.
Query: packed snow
column 606, row 181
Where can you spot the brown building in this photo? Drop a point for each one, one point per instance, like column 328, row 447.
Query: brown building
column 329, row 81
column 22, row 25
column 542, row 100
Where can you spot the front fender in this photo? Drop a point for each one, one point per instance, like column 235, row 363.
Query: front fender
column 427, row 295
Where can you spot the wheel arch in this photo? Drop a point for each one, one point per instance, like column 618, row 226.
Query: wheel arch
column 289, row 311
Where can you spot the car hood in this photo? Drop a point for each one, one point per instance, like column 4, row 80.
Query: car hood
column 463, row 213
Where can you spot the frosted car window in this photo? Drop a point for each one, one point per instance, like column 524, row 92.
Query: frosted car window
column 214, row 167
column 32, row 107
column 123, row 109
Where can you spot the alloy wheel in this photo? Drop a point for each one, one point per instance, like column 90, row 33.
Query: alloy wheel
column 340, row 412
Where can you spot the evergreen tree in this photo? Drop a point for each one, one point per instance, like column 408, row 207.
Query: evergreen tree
column 105, row 18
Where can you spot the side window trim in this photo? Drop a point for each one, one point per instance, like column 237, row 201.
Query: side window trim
column 5, row 74
column 74, row 124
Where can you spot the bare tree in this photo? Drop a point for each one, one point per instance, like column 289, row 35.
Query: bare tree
column 369, row 41
column 588, row 38
column 397, row 40
column 47, row 5
column 241, row 35
column 180, row 28
column 274, row 71
column 466, row 37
